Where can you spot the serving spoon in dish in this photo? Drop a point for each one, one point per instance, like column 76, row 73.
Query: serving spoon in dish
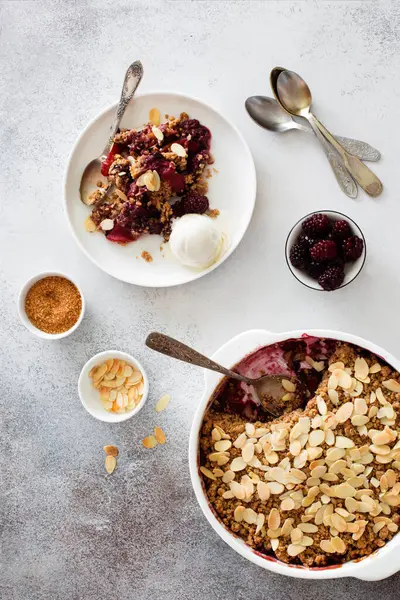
column 92, row 173
column 268, row 388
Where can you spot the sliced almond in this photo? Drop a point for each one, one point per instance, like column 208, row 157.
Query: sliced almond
column 275, row 487
column 111, row 450
column 238, row 513
column 344, row 380
column 107, row 224
column 327, row 546
column 344, row 412
column 287, row 504
column 343, row 442
column 238, row 490
column 158, row 133
column 375, row 368
column 160, row 435
column 338, row 545
column 228, row 476
column 321, row 405
column 204, row 470
column 344, row 490
column 295, row 549
column 249, row 516
column 155, row 117
column 316, row 437
column 90, row 226
column 238, row 464
column 223, row 445
column 263, row 491
column 289, row 386
column 150, row 441
column 333, row 396
column 361, row 368
column 178, row 149
column 391, row 385
column 111, row 463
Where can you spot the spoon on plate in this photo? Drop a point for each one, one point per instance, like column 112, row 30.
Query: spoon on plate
column 294, row 96
column 267, row 113
column 269, row 389
column 92, row 173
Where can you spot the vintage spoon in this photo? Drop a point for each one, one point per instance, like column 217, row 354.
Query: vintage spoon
column 267, row 113
column 295, row 96
column 346, row 182
column 92, row 173
column 268, row 389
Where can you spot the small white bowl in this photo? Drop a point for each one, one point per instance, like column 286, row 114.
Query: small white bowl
column 352, row 270
column 24, row 317
column 90, row 396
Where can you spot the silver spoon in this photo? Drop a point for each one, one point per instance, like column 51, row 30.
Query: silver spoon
column 268, row 389
column 267, row 113
column 294, row 96
column 346, row 182
column 92, row 173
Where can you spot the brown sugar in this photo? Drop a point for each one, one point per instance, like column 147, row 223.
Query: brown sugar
column 53, row 304
column 147, row 256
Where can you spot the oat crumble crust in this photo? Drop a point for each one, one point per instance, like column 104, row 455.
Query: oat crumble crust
column 320, row 486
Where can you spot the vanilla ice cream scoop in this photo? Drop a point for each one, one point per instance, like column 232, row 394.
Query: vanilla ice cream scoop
column 196, row 241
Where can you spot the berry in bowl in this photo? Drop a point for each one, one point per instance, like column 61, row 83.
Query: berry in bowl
column 325, row 250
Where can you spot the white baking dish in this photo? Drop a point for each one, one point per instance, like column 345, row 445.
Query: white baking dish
column 381, row 564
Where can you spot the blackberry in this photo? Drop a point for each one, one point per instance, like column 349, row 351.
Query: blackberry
column 317, row 225
column 306, row 241
column 352, row 248
column 192, row 202
column 331, row 279
column 315, row 269
column 324, row 250
column 341, row 230
column 298, row 256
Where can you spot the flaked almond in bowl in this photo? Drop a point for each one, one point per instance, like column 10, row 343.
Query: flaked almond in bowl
column 113, row 386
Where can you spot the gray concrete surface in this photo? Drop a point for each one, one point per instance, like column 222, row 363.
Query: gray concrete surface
column 68, row 532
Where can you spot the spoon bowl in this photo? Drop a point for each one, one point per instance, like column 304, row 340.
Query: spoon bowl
column 268, row 389
column 267, row 113
column 294, row 94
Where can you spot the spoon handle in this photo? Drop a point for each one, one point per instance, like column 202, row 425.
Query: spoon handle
column 365, row 178
column 343, row 177
column 361, row 149
column 175, row 349
column 133, row 77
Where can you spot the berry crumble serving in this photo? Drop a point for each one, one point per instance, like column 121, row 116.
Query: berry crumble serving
column 158, row 173
column 319, row 485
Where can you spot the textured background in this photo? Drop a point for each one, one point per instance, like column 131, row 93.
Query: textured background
column 68, row 531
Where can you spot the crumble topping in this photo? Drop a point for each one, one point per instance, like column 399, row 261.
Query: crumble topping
column 317, row 486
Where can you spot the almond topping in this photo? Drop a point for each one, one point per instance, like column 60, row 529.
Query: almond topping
column 178, row 150
column 392, row 385
column 111, row 463
column 155, row 117
column 159, row 435
column 150, row 441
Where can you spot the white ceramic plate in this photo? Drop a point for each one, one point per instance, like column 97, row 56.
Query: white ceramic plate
column 232, row 191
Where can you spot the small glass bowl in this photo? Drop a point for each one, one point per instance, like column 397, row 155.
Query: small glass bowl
column 352, row 269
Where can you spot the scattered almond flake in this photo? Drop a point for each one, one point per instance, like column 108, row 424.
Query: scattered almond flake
column 163, row 402
column 90, row 226
column 295, row 447
column 361, row 368
column 250, row 429
column 155, row 117
column 344, row 380
column 274, row 519
column 159, row 435
column 287, row 504
column 238, row 513
column 344, row 412
column 150, row 441
column 158, row 133
column 111, row 450
column 263, row 491
column 275, row 487
column 218, row 472
column 332, row 382
column 248, row 452
column 222, row 445
column 321, row 405
column 240, row 441
column 260, row 522
column 327, row 546
column 216, row 435
column 274, row 544
column 289, row 386
column 178, row 150
column 238, row 490
column 391, row 385
column 343, row 442
column 228, row 476
column 334, row 366
column 238, row 464
column 393, row 527
column 333, row 396
column 359, row 420
column 344, row 490
column 381, row 438
column 338, row 522
column 338, row 545
column 249, row 516
column 107, row 224
column 316, row 437
column 295, row 549
column 375, row 368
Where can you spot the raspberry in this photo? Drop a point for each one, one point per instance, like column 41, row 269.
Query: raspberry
column 331, row 279
column 317, row 225
column 352, row 248
column 306, row 241
column 324, row 250
column 192, row 202
column 315, row 269
column 298, row 256
column 341, row 230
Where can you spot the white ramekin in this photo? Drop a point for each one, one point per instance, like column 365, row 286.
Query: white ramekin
column 380, row 564
column 90, row 397
column 24, row 317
